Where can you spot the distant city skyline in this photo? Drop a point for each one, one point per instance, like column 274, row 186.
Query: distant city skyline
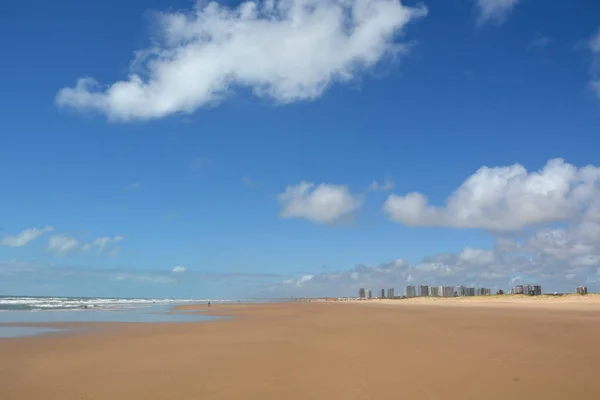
column 460, row 291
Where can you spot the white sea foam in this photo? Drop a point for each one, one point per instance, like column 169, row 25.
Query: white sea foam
column 77, row 303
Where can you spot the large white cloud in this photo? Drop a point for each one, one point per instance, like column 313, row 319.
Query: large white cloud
column 507, row 198
column 286, row 50
column 494, row 10
column 323, row 204
column 24, row 237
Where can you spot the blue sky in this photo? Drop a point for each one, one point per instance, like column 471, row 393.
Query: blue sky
column 107, row 188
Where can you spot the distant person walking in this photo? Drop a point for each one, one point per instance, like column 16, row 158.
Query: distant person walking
column 209, row 303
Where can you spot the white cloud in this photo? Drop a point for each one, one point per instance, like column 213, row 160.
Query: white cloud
column 246, row 180
column 386, row 186
column 178, row 269
column 24, row 237
column 594, row 46
column 323, row 204
column 575, row 244
column 101, row 242
column 298, row 282
column 64, row 244
column 470, row 255
column 285, row 50
column 507, row 198
column 494, row 11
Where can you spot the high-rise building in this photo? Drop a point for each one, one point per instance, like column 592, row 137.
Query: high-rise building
column 447, row 291
column 382, row 294
column 362, row 293
column 519, row 289
column 390, row 293
column 582, row 290
column 423, row 290
column 410, row 291
column 369, row 294
column 434, row 291
column 529, row 290
column 460, row 291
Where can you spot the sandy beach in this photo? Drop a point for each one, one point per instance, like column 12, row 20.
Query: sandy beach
column 320, row 350
column 564, row 302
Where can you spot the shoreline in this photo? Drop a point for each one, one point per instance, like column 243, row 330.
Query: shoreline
column 227, row 310
column 30, row 324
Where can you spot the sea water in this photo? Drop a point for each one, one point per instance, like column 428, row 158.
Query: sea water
column 34, row 310
column 25, row 303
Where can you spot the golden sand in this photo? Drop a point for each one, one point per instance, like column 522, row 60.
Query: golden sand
column 569, row 301
column 321, row 350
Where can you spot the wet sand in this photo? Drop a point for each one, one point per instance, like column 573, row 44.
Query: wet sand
column 319, row 350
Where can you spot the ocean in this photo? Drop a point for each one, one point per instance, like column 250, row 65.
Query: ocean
column 17, row 313
column 31, row 303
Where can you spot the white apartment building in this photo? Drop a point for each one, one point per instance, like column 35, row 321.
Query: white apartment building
column 447, row 291
column 410, row 291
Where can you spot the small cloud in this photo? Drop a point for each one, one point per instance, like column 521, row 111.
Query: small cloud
column 386, row 186
column 178, row 269
column 133, row 186
column 24, row 237
column 298, row 282
column 249, row 182
column 594, row 47
column 102, row 242
column 540, row 41
column 494, row 11
column 594, row 43
column 63, row 244
column 322, row 204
